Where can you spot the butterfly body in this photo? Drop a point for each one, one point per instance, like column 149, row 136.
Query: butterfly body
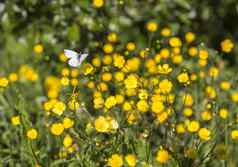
column 75, row 59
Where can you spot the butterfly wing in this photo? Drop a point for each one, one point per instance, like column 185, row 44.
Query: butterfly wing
column 70, row 53
column 82, row 57
column 74, row 62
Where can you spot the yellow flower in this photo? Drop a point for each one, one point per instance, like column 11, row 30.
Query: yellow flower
column 203, row 54
column 164, row 53
column 183, row 78
column 223, row 113
column 206, row 115
column 165, row 86
column 98, row 3
column 234, row 134
column 115, row 160
column 180, row 128
column 73, row 104
column 108, row 48
column 62, row 57
column 188, row 100
column 204, row 134
column 38, row 48
column 112, row 37
column 214, row 72
column 130, row 46
column 57, row 129
column 101, row 124
column 119, row 99
column 65, row 72
column 68, row 141
column 3, row 82
column 131, row 160
column 143, row 94
column 175, row 42
column 187, row 112
column 118, row 60
column 87, row 69
column 59, row 108
column 106, row 76
column 131, row 81
column 157, row 107
column 152, row 26
column 162, row 117
column 119, row 76
column 107, row 59
column 96, row 62
column 13, row 77
column 164, row 69
column 162, row 156
column 27, row 73
column 225, row 85
column 32, row 134
column 190, row 37
column 192, row 51
column 165, row 32
column 193, row 126
column 64, row 81
column 15, row 120
column 68, row 123
column 110, row 102
column 227, row 46
column 234, row 96
column 142, row 106
column 211, row 92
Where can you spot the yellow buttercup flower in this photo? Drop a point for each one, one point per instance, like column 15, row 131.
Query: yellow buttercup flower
column 223, row 113
column 180, row 128
column 13, row 77
column 115, row 160
column 3, row 82
column 193, row 126
column 131, row 81
column 108, row 48
column 152, row 26
column 165, row 32
column 142, row 106
column 110, row 102
column 32, row 134
column 183, row 78
column 175, row 42
column 131, row 160
column 234, row 134
column 98, row 3
column 190, row 37
column 164, row 69
column 162, row 156
column 130, row 46
column 101, row 124
column 57, row 129
column 112, row 37
column 192, row 51
column 68, row 123
column 68, row 141
column 165, row 86
column 38, row 48
column 59, row 108
column 15, row 120
column 203, row 54
column 204, row 134
column 227, row 45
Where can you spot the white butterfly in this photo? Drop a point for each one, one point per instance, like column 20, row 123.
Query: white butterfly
column 76, row 59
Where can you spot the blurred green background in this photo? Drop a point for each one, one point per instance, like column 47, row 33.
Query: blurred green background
column 59, row 24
